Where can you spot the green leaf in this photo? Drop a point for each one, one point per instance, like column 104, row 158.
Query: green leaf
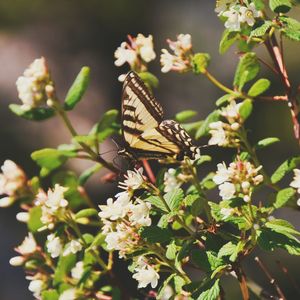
column 171, row 251
column 280, row 6
column 266, row 142
column 34, row 114
column 50, row 158
column 200, row 62
column 204, row 128
column 283, row 197
column 261, row 30
column 64, row 266
column 86, row 213
column 34, row 222
column 212, row 293
column 259, row 87
column 282, row 226
column 83, row 178
column 149, row 79
column 157, row 202
column 247, row 69
column 155, row 234
column 203, row 159
column 259, row 4
column 50, row 295
column 161, row 290
column 224, row 99
column 78, row 88
column 269, row 240
column 185, row 115
column 285, row 168
column 174, row 198
column 227, row 40
column 231, row 250
column 246, row 109
column 291, row 28
column 200, row 259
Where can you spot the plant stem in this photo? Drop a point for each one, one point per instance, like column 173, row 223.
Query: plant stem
column 149, row 171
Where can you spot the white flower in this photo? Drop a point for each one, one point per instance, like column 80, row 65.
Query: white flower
column 54, row 245
column 116, row 240
column 248, row 14
column 31, row 86
column 73, row 247
column 115, row 209
column 233, row 19
column 181, row 45
column 124, row 54
column 226, row 212
column 170, row 180
column 69, row 294
column 55, row 199
column 145, row 46
column 171, row 62
column 140, row 213
column 231, row 111
column 22, row 217
column 296, row 180
column 12, row 178
column 167, row 293
column 222, row 174
column 17, row 261
column 227, row 190
column 36, row 287
column 145, row 275
column 222, row 5
column 78, row 270
column 28, row 246
column 133, row 180
column 218, row 134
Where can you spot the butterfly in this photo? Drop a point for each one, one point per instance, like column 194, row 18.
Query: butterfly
column 146, row 134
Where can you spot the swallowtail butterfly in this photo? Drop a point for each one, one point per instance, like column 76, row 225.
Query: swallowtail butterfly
column 146, row 134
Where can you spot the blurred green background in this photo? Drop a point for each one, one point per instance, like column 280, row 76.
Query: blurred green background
column 74, row 33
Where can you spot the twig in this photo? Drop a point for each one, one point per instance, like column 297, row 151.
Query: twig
column 149, row 171
column 289, row 277
column 271, row 279
column 243, row 282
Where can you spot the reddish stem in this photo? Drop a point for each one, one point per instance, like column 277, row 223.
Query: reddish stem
column 149, row 171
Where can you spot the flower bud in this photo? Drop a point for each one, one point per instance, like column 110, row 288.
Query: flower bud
column 235, row 126
column 6, row 201
column 17, row 261
column 247, row 198
column 245, row 185
column 23, row 217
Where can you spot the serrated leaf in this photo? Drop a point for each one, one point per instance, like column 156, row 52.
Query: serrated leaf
column 200, row 62
column 174, row 198
column 199, row 258
column 50, row 158
column 283, row 197
column 185, row 115
column 245, row 109
column 280, row 6
column 34, row 222
column 282, row 226
column 212, row 293
column 171, row 251
column 77, row 89
column 247, row 69
column 266, row 142
column 86, row 213
column 34, row 114
column 285, row 168
column 149, row 79
column 155, row 234
column 226, row 249
column 224, row 99
column 291, row 28
column 157, row 202
column 227, row 40
column 204, row 128
column 259, row 87
column 261, row 30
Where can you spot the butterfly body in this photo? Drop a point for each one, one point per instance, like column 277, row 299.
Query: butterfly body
column 146, row 134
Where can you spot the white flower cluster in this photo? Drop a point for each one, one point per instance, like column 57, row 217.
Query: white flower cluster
column 12, row 181
column 224, row 134
column 28, row 247
column 123, row 217
column 33, row 84
column 296, row 183
column 36, row 285
column 137, row 52
column 145, row 274
column 53, row 205
column 237, row 180
column 179, row 60
column 171, row 181
column 237, row 14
